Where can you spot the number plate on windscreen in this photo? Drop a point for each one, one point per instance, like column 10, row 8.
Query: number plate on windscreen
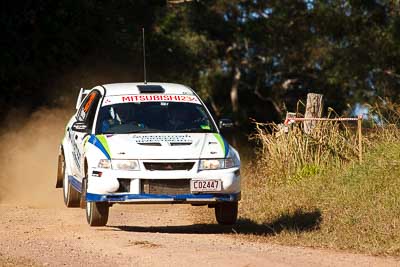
column 205, row 185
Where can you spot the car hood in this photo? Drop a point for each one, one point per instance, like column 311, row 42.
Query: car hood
column 166, row 146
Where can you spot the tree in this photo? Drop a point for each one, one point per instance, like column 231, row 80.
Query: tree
column 247, row 58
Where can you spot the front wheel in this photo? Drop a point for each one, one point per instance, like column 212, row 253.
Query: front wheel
column 71, row 196
column 226, row 212
column 97, row 213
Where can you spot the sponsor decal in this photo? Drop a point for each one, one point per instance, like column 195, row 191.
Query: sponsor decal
column 144, row 139
column 75, row 150
column 109, row 100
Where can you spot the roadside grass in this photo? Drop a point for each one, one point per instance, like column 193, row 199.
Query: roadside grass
column 287, row 157
column 311, row 190
column 347, row 206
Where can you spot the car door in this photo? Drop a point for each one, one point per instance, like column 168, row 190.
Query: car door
column 86, row 114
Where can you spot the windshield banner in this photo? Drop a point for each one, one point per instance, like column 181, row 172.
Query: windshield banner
column 118, row 99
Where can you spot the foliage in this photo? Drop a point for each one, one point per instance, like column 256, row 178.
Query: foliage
column 247, row 58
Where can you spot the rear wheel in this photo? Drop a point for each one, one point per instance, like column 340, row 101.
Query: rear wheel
column 97, row 213
column 71, row 196
column 226, row 212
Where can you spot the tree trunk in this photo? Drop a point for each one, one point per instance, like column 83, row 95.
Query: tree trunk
column 234, row 90
column 313, row 110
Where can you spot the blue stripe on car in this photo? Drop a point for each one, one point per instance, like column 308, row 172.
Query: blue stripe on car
column 184, row 197
column 96, row 142
column 76, row 184
column 226, row 144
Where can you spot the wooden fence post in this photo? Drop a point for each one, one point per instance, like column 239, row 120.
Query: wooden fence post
column 359, row 127
column 313, row 110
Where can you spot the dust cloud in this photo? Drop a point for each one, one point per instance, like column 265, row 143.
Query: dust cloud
column 29, row 151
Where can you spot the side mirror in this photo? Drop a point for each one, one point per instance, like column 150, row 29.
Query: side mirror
column 79, row 126
column 225, row 124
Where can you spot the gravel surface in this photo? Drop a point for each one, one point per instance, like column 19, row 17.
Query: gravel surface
column 145, row 235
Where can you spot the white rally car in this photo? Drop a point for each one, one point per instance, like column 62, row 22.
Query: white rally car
column 146, row 143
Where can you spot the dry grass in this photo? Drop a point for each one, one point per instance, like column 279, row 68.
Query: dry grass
column 311, row 190
column 287, row 157
column 356, row 207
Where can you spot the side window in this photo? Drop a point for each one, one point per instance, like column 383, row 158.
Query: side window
column 92, row 111
column 88, row 108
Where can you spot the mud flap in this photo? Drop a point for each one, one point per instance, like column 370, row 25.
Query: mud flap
column 83, row 193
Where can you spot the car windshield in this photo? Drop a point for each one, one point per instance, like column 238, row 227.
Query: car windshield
column 151, row 117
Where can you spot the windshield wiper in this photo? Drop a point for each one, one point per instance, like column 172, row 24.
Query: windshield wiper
column 145, row 131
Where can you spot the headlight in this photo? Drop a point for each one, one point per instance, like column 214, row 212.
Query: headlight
column 215, row 164
column 104, row 164
column 211, row 164
column 126, row 165
column 119, row 164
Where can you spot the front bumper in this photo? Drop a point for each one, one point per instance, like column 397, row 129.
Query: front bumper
column 107, row 187
column 155, row 199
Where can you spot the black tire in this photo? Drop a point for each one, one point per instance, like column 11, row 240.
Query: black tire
column 97, row 213
column 226, row 213
column 71, row 196
column 60, row 170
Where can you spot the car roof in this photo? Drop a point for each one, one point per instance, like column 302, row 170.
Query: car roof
column 132, row 88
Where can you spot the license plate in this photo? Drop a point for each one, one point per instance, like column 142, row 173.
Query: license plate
column 205, row 185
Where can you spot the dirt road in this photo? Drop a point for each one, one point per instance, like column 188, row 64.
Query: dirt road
column 144, row 236
column 36, row 228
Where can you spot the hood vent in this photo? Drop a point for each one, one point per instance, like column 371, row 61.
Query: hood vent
column 150, row 89
column 149, row 144
column 179, row 144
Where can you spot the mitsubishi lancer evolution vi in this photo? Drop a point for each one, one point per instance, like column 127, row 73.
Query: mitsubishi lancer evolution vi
column 150, row 143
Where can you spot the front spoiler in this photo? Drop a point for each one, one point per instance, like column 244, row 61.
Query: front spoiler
column 155, row 199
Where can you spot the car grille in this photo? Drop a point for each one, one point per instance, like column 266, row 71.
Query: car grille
column 165, row 186
column 124, row 185
column 168, row 166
